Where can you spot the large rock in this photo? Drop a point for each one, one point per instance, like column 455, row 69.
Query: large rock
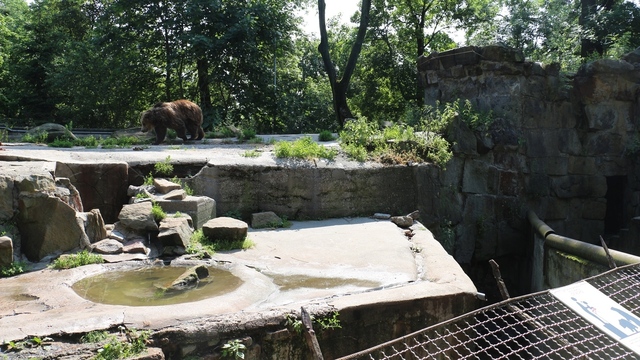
column 138, row 216
column 225, row 229
column 94, row 225
column 265, row 219
column 6, row 251
column 189, row 279
column 163, row 186
column 47, row 226
column 175, row 231
column 107, row 246
column 199, row 208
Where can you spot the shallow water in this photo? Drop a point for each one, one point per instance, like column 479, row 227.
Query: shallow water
column 292, row 282
column 143, row 287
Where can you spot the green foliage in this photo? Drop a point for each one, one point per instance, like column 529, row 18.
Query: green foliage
column 39, row 138
column 88, row 141
column 148, row 180
column 247, row 134
column 95, row 336
column 251, row 153
column 61, row 143
column 303, row 148
column 134, row 344
column 119, row 142
column 326, row 135
column 234, row 214
column 15, row 268
column 200, row 245
column 157, row 212
column 233, row 349
column 187, row 189
column 75, row 260
column 328, row 322
column 164, row 168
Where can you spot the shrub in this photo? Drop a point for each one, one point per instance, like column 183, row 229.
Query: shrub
column 157, row 212
column 61, row 143
column 82, row 258
column 303, row 148
column 13, row 269
column 326, row 135
column 164, row 168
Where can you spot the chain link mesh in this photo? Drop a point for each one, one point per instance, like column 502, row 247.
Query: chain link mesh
column 536, row 326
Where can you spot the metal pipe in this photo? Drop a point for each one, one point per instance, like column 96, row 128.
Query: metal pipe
column 582, row 249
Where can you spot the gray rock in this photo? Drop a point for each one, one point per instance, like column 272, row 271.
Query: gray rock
column 47, row 225
column 107, row 246
column 164, row 186
column 177, row 194
column 225, row 229
column 175, row 232
column 94, row 226
column 6, row 251
column 138, row 217
column 136, row 246
column 402, row 221
column 265, row 219
column 189, row 279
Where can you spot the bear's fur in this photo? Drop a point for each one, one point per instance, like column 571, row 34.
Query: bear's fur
column 179, row 115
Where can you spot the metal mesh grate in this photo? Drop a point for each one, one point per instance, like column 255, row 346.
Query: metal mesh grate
column 536, row 326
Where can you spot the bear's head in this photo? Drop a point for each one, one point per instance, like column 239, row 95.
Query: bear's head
column 146, row 121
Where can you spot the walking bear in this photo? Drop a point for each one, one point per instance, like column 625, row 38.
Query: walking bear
column 179, row 115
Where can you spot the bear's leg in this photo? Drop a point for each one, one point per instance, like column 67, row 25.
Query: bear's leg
column 161, row 132
column 182, row 133
column 193, row 130
column 200, row 133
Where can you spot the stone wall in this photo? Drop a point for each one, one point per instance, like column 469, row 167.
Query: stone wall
column 562, row 146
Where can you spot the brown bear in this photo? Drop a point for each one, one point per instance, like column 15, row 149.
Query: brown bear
column 179, row 115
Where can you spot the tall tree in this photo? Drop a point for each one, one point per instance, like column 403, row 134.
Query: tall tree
column 340, row 86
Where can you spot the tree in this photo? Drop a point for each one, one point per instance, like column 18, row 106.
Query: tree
column 340, row 86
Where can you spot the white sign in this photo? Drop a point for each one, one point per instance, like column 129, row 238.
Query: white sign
column 606, row 314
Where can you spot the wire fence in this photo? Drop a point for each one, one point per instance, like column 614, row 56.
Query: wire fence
column 536, row 326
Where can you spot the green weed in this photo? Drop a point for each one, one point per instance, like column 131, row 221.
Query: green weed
column 39, row 138
column 164, row 168
column 75, row 260
column 326, row 135
column 13, row 269
column 251, row 153
column 157, row 212
column 116, row 349
column 303, row 148
column 233, row 349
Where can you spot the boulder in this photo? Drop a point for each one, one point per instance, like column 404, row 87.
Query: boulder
column 199, row 208
column 402, row 221
column 52, row 132
column 189, row 279
column 136, row 246
column 177, row 194
column 265, row 219
column 164, row 186
column 47, row 226
column 107, row 246
column 138, row 216
column 6, row 251
column 94, row 225
column 175, row 232
column 225, row 229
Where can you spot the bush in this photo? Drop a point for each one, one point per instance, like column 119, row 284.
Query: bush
column 326, row 135
column 82, row 258
column 303, row 148
column 13, row 269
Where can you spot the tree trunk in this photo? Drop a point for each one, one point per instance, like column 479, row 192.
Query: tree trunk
column 202, row 65
column 339, row 87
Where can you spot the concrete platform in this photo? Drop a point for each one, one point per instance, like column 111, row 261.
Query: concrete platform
column 376, row 252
